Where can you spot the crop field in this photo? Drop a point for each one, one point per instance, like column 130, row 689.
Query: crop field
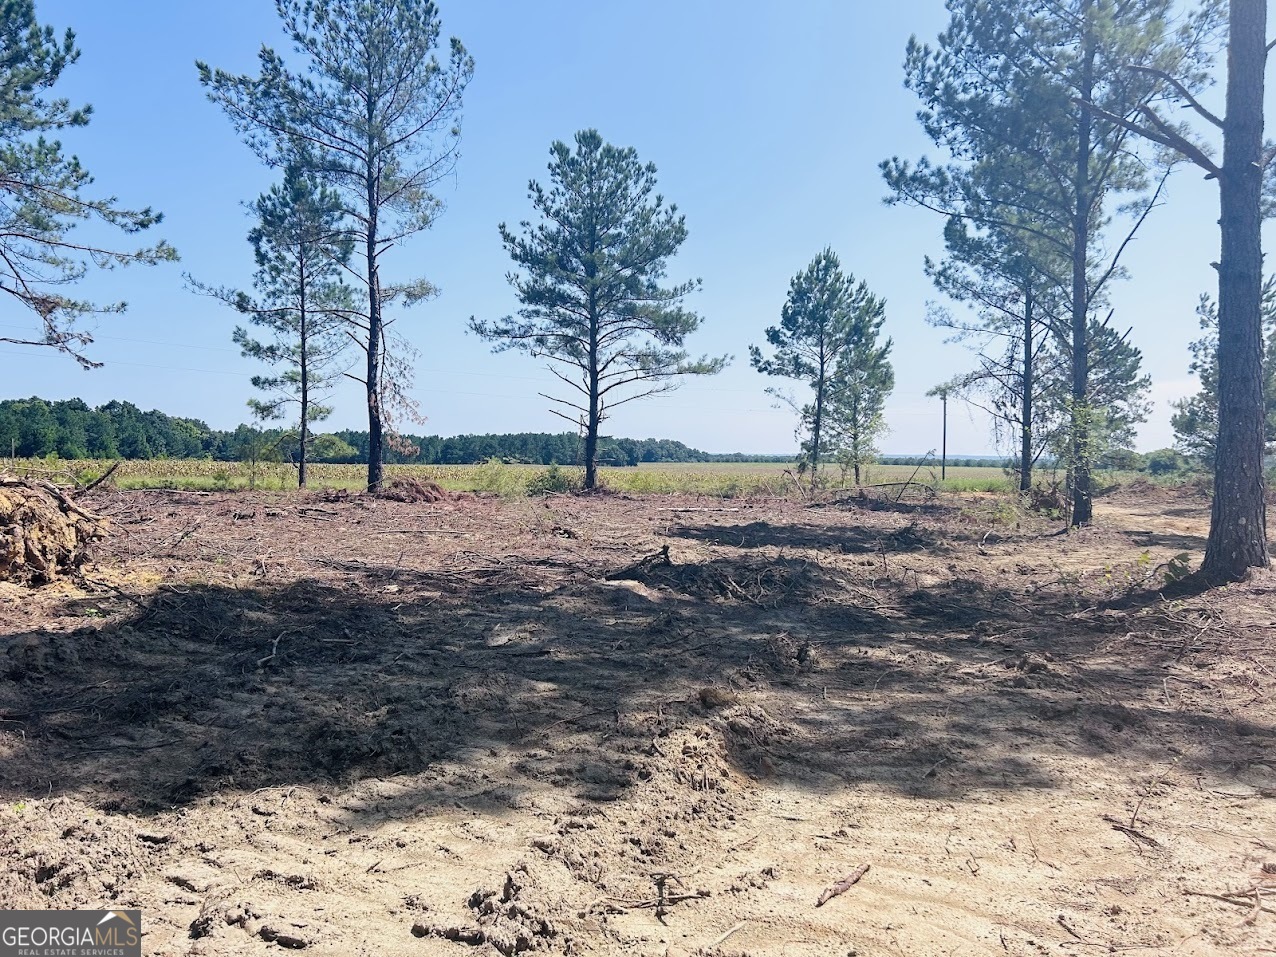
column 722, row 479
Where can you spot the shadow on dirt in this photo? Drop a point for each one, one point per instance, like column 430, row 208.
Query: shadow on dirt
column 847, row 539
column 1181, row 542
column 575, row 681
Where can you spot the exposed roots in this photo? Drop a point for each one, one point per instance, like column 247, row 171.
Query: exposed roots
column 43, row 533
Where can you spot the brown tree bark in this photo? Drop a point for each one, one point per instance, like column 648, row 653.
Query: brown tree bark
column 376, row 432
column 1029, row 383
column 1082, row 501
column 1238, row 523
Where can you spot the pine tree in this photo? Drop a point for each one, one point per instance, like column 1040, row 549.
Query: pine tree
column 1238, row 520
column 862, row 382
column 590, row 285
column 1195, row 418
column 821, row 323
column 375, row 116
column 1007, row 277
column 1022, row 96
column 43, row 191
column 302, row 249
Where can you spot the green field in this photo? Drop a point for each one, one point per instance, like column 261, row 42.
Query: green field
column 722, row 479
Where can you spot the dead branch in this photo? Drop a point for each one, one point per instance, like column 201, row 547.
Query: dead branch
column 98, row 481
column 273, row 649
column 1133, row 833
column 842, row 886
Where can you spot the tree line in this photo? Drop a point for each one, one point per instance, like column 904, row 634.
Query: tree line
column 71, row 429
column 1055, row 138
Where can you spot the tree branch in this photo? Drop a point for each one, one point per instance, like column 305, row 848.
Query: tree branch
column 1163, row 133
column 1182, row 91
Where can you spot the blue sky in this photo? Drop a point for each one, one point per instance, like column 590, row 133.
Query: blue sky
column 766, row 121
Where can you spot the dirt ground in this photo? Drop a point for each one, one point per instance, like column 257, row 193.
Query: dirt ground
column 608, row 725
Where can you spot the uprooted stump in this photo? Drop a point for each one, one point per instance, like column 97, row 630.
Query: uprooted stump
column 43, row 533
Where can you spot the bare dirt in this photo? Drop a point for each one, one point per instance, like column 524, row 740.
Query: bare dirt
column 603, row 725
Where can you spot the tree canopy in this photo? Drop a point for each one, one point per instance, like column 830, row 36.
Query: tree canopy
column 44, row 193
column 590, row 281
column 827, row 338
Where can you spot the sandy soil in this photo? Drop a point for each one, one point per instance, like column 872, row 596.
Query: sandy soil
column 651, row 726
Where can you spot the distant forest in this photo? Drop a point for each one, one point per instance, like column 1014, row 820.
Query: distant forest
column 71, row 429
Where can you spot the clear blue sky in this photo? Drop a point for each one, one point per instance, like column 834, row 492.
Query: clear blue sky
column 767, row 122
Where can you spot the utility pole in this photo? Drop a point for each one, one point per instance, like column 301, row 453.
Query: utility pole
column 942, row 392
column 943, row 455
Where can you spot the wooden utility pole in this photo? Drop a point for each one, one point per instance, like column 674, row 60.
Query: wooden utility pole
column 943, row 460
column 942, row 392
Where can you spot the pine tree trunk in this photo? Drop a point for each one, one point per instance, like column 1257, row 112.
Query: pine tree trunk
column 593, row 420
column 303, row 361
column 591, row 451
column 1025, row 432
column 1082, row 505
column 817, row 425
column 1238, row 524
column 856, row 447
column 376, row 439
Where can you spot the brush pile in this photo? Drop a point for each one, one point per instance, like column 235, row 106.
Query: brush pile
column 43, row 532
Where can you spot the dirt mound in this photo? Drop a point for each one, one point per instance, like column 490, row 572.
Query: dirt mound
column 511, row 920
column 754, row 579
column 413, row 490
column 877, row 503
column 42, row 532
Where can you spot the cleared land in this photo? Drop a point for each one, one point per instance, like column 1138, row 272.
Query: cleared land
column 655, row 726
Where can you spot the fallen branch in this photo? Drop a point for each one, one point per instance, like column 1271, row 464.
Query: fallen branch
column 673, row 899
column 697, row 509
column 842, row 886
column 98, row 481
column 1132, row 833
column 722, row 937
column 1235, row 898
column 273, row 649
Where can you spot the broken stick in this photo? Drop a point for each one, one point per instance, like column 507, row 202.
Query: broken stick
column 842, row 886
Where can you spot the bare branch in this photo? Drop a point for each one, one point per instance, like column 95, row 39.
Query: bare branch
column 1182, row 91
column 1163, row 133
column 1129, row 238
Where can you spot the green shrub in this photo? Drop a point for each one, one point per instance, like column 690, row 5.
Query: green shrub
column 553, row 479
column 497, row 478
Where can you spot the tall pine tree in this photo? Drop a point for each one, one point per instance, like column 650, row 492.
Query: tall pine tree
column 374, row 116
column 1020, row 95
column 590, row 282
column 1238, row 520
column 863, row 380
column 302, row 248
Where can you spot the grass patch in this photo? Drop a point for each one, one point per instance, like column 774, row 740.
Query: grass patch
column 716, row 479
